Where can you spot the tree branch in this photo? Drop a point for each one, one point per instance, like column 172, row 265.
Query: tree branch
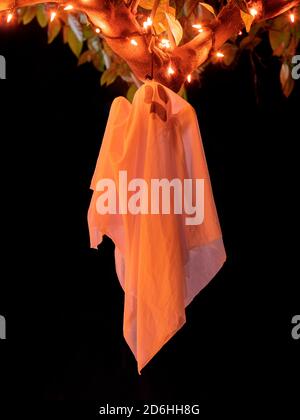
column 118, row 22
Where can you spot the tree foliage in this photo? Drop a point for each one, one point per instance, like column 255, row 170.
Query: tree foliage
column 174, row 20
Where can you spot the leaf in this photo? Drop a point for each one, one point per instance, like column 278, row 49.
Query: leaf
column 208, row 7
column 87, row 31
column 94, row 44
column 42, row 16
column 98, row 61
column 54, row 28
column 287, row 83
column 279, row 34
column 29, row 15
column 148, row 4
column 229, row 51
column 76, row 27
column 85, row 57
column 74, row 43
column 247, row 19
column 65, row 34
column 175, row 27
column 108, row 76
column 131, row 92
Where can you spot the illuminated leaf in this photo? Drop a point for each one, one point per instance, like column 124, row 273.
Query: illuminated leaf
column 76, row 27
column 175, row 28
column 29, row 15
column 247, row 19
column 54, row 28
column 42, row 16
column 74, row 43
column 209, row 8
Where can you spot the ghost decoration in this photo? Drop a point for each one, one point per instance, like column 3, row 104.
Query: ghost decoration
column 152, row 196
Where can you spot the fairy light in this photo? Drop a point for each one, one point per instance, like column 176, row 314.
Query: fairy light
column 170, row 71
column 165, row 43
column 292, row 17
column 253, row 11
column 9, row 17
column 240, row 33
column 52, row 16
column 133, row 42
column 148, row 23
column 68, row 7
column 198, row 26
column 97, row 30
column 219, row 54
column 189, row 78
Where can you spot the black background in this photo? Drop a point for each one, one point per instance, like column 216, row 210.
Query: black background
column 62, row 300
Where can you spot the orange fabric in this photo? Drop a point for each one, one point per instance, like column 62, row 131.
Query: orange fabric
column 161, row 262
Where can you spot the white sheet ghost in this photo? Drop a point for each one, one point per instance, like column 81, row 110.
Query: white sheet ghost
column 162, row 263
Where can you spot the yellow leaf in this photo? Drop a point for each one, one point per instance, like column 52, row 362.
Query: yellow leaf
column 148, row 4
column 175, row 27
column 208, row 7
column 247, row 19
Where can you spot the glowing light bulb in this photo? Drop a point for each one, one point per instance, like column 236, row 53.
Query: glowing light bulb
column 147, row 23
column 170, row 71
column 9, row 17
column 68, row 7
column 97, row 30
column 53, row 16
column 133, row 42
column 165, row 43
column 197, row 26
column 292, row 17
column 240, row 33
column 253, row 11
column 219, row 54
column 189, row 78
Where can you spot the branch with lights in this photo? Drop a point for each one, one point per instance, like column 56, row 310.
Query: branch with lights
column 169, row 41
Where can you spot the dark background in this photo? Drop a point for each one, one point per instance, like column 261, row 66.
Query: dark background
column 62, row 300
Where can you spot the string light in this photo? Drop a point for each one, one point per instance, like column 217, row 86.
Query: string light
column 292, row 17
column 68, row 7
column 189, row 78
column 253, row 11
column 52, row 16
column 198, row 26
column 133, row 42
column 170, row 71
column 165, row 43
column 97, row 30
column 219, row 54
column 240, row 33
column 9, row 17
column 147, row 23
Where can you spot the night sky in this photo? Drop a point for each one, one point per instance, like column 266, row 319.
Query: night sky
column 62, row 300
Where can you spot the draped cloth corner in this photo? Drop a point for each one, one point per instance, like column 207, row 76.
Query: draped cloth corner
column 161, row 262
